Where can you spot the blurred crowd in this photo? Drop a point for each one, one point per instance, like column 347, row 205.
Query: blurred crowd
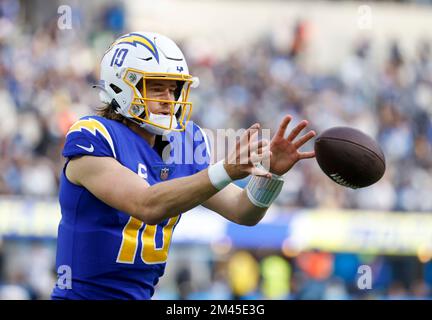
column 392, row 102
column 266, row 274
column 47, row 73
column 217, row 273
column 45, row 85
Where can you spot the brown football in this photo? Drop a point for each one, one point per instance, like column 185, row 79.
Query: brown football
column 349, row 157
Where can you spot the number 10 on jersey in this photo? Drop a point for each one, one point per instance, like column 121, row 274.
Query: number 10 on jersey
column 154, row 244
column 151, row 252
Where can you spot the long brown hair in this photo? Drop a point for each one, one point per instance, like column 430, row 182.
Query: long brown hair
column 108, row 111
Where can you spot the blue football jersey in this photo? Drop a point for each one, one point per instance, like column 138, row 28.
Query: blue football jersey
column 110, row 254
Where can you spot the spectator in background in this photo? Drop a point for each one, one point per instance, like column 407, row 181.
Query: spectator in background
column 44, row 89
column 47, row 89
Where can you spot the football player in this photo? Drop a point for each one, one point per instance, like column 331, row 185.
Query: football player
column 121, row 199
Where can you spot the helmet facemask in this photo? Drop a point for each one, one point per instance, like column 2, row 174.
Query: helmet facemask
column 180, row 108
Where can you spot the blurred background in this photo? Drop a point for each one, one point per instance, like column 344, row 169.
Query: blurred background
column 362, row 64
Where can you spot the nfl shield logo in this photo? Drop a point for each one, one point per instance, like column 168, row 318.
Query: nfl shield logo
column 164, row 173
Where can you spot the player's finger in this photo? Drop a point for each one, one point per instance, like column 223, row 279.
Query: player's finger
column 282, row 128
column 307, row 155
column 249, row 143
column 294, row 133
column 262, row 150
column 303, row 139
column 258, row 156
column 248, row 132
column 255, row 146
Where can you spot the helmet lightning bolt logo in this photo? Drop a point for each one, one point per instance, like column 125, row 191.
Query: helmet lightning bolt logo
column 134, row 39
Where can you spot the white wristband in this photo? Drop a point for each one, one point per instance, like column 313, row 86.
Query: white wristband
column 219, row 178
column 263, row 191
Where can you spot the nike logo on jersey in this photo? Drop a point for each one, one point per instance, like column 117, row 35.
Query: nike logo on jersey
column 88, row 149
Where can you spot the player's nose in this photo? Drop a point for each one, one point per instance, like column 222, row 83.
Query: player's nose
column 167, row 94
column 166, row 104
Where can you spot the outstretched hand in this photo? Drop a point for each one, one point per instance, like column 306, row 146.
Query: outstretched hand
column 285, row 151
column 248, row 153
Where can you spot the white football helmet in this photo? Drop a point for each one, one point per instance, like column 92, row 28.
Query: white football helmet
column 129, row 62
